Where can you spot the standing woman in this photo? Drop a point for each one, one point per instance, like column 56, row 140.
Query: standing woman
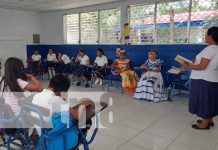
column 203, row 95
column 51, row 58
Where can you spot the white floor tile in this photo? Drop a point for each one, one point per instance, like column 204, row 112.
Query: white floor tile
column 140, row 121
column 106, row 142
column 152, row 142
column 131, row 146
column 121, row 132
column 200, row 141
column 179, row 146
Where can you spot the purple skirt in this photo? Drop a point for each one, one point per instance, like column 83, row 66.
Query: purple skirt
column 203, row 100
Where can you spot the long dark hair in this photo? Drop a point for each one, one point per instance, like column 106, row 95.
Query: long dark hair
column 14, row 69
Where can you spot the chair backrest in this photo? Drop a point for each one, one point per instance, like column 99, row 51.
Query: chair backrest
column 64, row 135
column 59, row 133
column 186, row 75
column 8, row 120
column 110, row 62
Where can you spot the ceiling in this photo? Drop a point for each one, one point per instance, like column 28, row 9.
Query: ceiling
column 49, row 5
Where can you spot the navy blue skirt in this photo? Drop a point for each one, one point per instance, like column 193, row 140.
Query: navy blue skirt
column 203, row 100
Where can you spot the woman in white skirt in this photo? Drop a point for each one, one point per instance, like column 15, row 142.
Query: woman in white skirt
column 150, row 86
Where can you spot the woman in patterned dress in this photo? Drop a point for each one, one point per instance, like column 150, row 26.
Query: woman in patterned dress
column 150, row 86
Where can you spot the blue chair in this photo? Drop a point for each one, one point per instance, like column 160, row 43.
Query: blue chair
column 117, row 79
column 63, row 135
column 181, row 83
column 10, row 127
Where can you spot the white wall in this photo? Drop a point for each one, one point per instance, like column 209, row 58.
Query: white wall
column 53, row 21
column 16, row 30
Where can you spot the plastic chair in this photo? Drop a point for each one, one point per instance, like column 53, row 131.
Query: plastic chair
column 182, row 83
column 10, row 126
column 49, row 138
column 118, row 80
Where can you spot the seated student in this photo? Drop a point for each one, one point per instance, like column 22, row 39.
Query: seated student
column 150, row 86
column 63, row 63
column 51, row 58
column 54, row 98
column 129, row 78
column 84, row 61
column 14, row 83
column 36, row 57
column 100, row 64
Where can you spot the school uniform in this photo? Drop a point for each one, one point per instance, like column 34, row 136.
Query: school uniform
column 82, row 70
column 100, row 62
column 51, row 58
column 12, row 98
column 204, row 84
column 36, row 63
column 64, row 65
column 55, row 104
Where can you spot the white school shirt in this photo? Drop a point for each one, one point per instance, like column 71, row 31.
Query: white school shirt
column 49, row 100
column 65, row 59
column 10, row 98
column 36, row 57
column 83, row 60
column 101, row 61
column 51, row 57
column 211, row 72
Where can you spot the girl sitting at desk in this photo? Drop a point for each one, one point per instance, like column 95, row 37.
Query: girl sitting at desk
column 63, row 63
column 37, row 62
column 100, row 64
column 51, row 58
column 82, row 71
column 150, row 86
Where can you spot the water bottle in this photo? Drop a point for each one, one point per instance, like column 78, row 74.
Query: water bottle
column 169, row 93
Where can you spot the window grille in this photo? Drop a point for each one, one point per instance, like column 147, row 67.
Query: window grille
column 89, row 27
column 110, row 26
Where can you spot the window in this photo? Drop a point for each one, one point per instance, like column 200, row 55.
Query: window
column 184, row 21
column 71, row 24
column 110, row 26
column 203, row 15
column 142, row 24
column 89, row 28
column 171, row 22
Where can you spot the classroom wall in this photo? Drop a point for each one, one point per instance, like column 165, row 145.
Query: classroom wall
column 136, row 53
column 16, row 30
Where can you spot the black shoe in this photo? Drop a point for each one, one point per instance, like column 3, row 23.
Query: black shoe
column 87, row 85
column 195, row 126
column 78, row 83
column 210, row 124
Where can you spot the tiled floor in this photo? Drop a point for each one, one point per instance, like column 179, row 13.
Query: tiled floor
column 139, row 125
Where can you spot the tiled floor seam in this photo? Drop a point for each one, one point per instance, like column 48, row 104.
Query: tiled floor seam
column 179, row 135
column 146, row 128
